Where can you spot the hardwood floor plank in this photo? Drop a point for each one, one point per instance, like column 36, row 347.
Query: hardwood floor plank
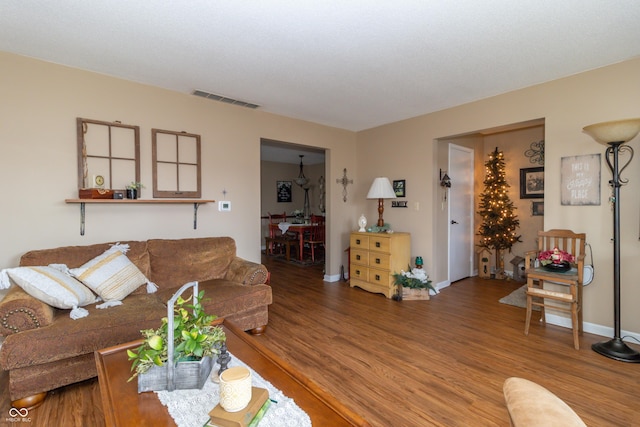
column 440, row 362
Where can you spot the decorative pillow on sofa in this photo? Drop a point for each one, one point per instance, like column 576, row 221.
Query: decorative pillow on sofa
column 52, row 286
column 112, row 275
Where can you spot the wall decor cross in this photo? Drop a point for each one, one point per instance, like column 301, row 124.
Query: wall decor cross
column 344, row 181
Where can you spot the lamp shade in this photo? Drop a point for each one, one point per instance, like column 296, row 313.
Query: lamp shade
column 381, row 189
column 614, row 131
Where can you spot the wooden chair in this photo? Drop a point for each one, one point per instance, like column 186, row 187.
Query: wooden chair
column 277, row 241
column 569, row 301
column 315, row 239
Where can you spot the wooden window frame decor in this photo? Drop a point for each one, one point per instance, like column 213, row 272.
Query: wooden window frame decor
column 180, row 157
column 537, row 208
column 283, row 190
column 107, row 155
column 400, row 187
column 532, row 183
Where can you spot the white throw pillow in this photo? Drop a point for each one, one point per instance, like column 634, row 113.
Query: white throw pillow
column 52, row 286
column 112, row 275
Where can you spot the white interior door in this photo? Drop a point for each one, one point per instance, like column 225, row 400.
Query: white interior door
column 460, row 212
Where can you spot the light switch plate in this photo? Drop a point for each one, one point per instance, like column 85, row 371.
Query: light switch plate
column 224, row 206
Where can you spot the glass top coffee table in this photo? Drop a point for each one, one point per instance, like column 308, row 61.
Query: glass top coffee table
column 124, row 406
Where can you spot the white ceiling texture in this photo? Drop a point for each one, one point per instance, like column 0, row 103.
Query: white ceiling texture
column 351, row 64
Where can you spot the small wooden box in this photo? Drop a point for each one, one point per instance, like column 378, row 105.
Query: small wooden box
column 95, row 193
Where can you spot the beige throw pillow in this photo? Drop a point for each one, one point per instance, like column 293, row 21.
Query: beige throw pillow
column 112, row 275
column 51, row 285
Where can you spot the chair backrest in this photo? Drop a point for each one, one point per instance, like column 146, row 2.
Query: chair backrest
column 317, row 219
column 277, row 218
column 317, row 233
column 565, row 240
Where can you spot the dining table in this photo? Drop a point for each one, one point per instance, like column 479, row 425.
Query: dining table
column 300, row 230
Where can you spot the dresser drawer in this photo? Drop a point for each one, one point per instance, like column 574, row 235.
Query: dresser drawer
column 379, row 260
column 359, row 256
column 380, row 244
column 359, row 272
column 359, row 241
column 380, row 277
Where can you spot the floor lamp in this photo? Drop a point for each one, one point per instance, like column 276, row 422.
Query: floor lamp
column 615, row 134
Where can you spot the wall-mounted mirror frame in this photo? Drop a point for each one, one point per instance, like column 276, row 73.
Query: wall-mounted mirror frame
column 110, row 150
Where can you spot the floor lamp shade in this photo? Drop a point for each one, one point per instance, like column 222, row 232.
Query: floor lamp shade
column 381, row 189
column 614, row 135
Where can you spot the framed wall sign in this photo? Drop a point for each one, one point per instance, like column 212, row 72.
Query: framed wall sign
column 580, row 180
column 532, row 183
column 283, row 189
column 399, row 187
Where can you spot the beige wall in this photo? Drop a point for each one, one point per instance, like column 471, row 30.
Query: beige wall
column 407, row 149
column 39, row 103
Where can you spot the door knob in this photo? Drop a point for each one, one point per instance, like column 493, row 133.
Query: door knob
column 454, row 222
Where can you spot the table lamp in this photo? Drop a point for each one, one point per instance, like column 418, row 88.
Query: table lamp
column 381, row 189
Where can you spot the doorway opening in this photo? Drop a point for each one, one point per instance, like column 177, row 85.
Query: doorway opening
column 515, row 141
column 281, row 164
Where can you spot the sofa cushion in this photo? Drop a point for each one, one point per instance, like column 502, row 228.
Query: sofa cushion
column 66, row 338
column 51, row 285
column 111, row 275
column 75, row 256
column 176, row 262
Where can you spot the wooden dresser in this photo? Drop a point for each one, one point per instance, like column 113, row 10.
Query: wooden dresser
column 375, row 257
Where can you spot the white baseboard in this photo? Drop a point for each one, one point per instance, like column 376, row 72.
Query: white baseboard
column 593, row 328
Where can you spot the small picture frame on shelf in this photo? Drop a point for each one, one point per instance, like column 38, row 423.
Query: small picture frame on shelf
column 399, row 187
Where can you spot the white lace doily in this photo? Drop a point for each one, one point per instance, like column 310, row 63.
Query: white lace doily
column 190, row 408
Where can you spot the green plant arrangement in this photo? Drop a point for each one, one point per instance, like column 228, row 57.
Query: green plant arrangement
column 194, row 337
column 135, row 186
column 416, row 278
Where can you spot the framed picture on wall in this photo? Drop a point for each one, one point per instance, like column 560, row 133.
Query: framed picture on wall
column 532, row 183
column 283, row 189
column 399, row 187
column 537, row 208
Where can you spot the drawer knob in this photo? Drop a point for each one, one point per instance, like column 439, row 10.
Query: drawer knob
column 357, row 241
column 377, row 277
column 377, row 260
column 377, row 244
column 358, row 257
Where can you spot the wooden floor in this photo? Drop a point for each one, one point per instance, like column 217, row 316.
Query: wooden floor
column 412, row 363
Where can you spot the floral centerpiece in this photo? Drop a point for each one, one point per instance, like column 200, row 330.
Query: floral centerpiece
column 415, row 283
column 556, row 259
column 299, row 214
column 195, row 337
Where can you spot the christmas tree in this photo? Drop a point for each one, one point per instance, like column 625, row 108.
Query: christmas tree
column 499, row 223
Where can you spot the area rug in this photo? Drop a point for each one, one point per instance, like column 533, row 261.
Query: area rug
column 518, row 298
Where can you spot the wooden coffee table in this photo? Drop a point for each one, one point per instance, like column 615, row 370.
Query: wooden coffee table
column 124, row 406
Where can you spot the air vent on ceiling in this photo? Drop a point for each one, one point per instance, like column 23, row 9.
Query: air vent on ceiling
column 224, row 99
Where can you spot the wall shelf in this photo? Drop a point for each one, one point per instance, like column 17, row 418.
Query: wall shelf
column 82, row 202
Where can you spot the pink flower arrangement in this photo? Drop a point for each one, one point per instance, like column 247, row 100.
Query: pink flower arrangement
column 555, row 256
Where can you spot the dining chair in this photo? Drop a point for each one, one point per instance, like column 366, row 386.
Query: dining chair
column 566, row 287
column 315, row 240
column 277, row 241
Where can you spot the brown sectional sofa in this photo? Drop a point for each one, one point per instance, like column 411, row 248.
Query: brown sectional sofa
column 45, row 349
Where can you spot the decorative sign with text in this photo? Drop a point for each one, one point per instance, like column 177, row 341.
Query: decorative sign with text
column 580, row 180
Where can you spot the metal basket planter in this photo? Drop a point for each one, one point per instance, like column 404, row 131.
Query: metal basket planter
column 186, row 374
column 181, row 374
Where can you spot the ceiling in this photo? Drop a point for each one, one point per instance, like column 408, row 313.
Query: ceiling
column 352, row 64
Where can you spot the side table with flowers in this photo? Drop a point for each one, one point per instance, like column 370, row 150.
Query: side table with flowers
column 556, row 260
